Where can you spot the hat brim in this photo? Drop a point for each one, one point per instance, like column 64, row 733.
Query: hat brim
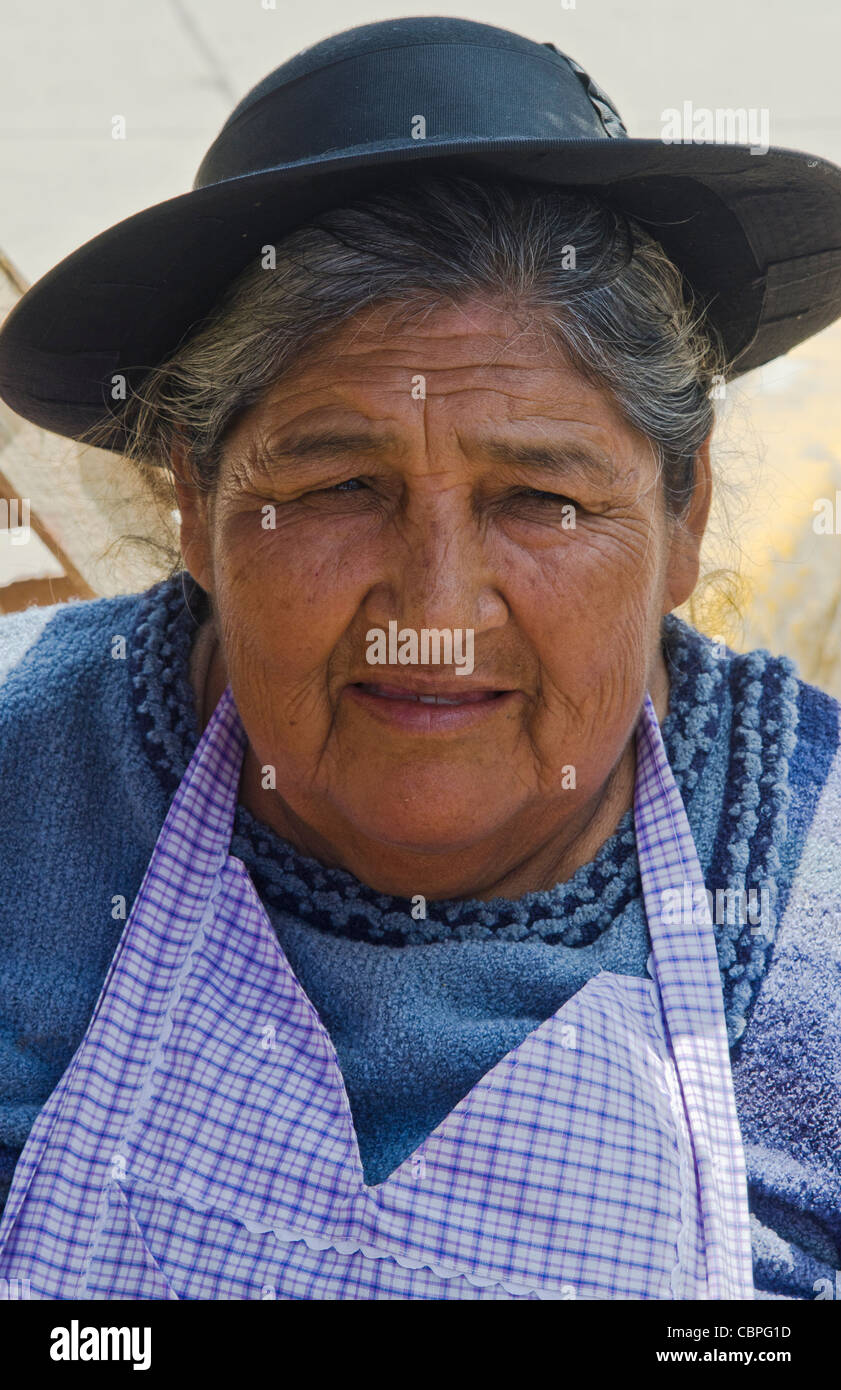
column 758, row 237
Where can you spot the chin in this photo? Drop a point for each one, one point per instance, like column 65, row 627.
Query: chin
column 423, row 833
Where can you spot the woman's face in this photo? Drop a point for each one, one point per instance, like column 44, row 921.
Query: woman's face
column 455, row 475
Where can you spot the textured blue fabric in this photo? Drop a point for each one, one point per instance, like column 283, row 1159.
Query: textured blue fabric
column 94, row 737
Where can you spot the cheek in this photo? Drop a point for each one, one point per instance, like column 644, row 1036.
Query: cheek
column 285, row 602
column 597, row 578
column 590, row 610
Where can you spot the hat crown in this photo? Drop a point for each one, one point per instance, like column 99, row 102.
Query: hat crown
column 404, row 83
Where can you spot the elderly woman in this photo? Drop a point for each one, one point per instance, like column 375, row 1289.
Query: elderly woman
column 407, row 903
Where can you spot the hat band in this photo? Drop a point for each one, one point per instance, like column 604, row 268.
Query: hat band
column 403, row 97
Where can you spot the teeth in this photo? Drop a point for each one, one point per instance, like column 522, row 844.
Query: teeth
column 417, row 699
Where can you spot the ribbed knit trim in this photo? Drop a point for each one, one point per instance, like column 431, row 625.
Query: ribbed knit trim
column 751, row 831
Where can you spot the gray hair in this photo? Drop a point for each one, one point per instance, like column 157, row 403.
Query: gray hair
column 618, row 309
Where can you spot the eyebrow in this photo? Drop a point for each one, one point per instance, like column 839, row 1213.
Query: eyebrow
column 555, row 458
column 329, row 443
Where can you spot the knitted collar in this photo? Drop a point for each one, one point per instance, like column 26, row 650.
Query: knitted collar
column 759, row 689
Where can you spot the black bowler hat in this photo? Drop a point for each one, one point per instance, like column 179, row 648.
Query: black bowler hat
column 757, row 235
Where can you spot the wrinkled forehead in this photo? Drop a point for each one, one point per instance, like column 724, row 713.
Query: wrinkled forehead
column 470, row 332
column 447, row 369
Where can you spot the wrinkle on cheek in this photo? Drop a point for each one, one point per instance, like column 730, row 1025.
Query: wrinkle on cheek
column 590, row 731
column 286, row 714
column 590, row 624
column 242, row 545
column 308, row 694
column 590, row 579
column 284, row 614
column 305, row 566
column 609, row 658
column 629, row 543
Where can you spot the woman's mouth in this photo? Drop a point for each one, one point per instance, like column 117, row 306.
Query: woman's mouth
column 433, row 709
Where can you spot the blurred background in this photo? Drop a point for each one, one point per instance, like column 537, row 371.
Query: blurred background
column 173, row 69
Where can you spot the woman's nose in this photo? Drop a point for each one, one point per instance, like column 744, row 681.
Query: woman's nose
column 439, row 574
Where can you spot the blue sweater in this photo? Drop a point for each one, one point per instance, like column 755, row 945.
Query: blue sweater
column 95, row 734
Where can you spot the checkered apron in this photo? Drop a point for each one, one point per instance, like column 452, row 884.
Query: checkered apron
column 200, row 1144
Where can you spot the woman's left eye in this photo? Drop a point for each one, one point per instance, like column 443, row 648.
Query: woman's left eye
column 533, row 493
column 349, row 485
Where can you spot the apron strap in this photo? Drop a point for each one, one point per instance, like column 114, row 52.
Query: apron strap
column 685, row 967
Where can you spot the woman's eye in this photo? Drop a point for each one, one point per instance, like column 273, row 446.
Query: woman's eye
column 349, row 485
column 535, row 494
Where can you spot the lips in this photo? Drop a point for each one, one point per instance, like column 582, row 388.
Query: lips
column 436, row 697
column 430, row 708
